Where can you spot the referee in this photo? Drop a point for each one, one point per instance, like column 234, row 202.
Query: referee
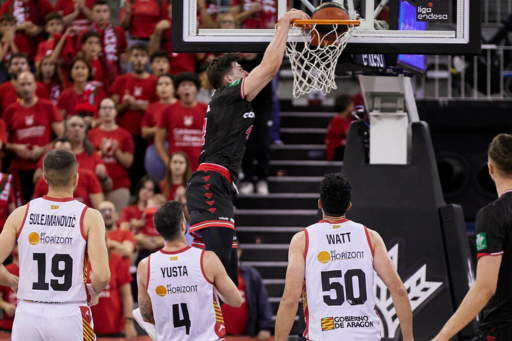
column 491, row 295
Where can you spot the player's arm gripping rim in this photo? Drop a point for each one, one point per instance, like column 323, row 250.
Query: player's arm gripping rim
column 385, row 268
column 273, row 57
column 486, row 282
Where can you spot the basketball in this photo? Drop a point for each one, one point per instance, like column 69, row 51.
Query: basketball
column 331, row 11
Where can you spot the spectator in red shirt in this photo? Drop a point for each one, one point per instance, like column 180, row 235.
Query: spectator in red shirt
column 113, row 40
column 30, row 125
column 84, row 95
column 177, row 174
column 58, row 46
column 91, row 46
column 338, row 127
column 113, row 313
column 160, row 63
column 140, row 17
column 165, row 91
column 8, row 47
column 118, row 241
column 131, row 215
column 115, row 146
column 255, row 14
column 183, row 121
column 29, row 16
column 7, row 200
column 49, row 74
column 77, row 13
column 17, row 65
column 148, row 239
column 8, row 298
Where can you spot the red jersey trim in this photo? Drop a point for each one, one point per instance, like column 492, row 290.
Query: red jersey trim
column 369, row 240
column 23, row 223
column 175, row 252
column 479, row 255
column 149, row 272
column 82, row 216
column 202, row 269
column 306, row 247
column 57, row 199
column 242, row 94
column 336, row 222
column 212, row 223
column 216, row 168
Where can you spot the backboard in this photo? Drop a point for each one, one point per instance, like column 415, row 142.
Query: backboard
column 402, row 27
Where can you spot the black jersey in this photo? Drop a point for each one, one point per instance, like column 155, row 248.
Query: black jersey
column 494, row 237
column 227, row 126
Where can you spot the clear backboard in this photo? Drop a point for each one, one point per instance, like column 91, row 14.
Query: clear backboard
column 387, row 27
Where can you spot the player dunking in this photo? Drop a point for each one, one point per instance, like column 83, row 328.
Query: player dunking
column 54, row 234
column 227, row 127
column 178, row 285
column 492, row 292
column 332, row 265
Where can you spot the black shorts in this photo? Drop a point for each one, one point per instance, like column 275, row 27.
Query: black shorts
column 209, row 198
column 495, row 334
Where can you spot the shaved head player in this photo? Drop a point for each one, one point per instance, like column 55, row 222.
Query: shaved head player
column 227, row 126
column 56, row 235
column 332, row 264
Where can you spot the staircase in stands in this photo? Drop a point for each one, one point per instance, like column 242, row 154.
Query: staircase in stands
column 266, row 224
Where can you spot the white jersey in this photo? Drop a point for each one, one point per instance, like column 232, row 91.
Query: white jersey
column 339, row 303
column 184, row 300
column 52, row 249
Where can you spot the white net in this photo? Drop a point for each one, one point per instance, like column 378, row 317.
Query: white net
column 313, row 66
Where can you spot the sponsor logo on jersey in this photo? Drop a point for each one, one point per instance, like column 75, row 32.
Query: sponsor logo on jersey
column 336, row 226
column 54, row 207
column 173, row 258
column 233, row 83
column 52, row 220
column 34, row 238
column 331, row 323
column 339, row 238
column 170, row 289
column 325, row 257
column 249, row 115
column 174, row 271
column 481, row 241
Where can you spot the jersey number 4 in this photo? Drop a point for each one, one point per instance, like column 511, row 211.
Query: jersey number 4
column 66, row 272
column 185, row 322
column 339, row 299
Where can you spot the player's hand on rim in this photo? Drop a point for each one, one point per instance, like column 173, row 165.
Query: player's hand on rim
column 294, row 14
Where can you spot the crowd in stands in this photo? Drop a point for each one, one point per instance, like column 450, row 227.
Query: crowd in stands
column 132, row 111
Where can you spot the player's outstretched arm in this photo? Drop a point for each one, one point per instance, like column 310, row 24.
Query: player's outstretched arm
column 215, row 272
column 146, row 308
column 7, row 242
column 293, row 287
column 387, row 272
column 487, row 272
column 94, row 229
column 269, row 67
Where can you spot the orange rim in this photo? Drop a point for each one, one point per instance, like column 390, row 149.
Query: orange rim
column 303, row 22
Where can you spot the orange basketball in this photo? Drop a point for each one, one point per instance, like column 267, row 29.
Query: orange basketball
column 330, row 11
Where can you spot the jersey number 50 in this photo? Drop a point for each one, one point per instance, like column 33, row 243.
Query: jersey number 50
column 339, row 298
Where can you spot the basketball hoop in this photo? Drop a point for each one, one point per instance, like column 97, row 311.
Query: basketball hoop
column 313, row 67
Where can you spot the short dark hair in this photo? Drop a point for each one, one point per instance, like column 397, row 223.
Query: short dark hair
column 138, row 47
column 219, row 67
column 59, row 167
column 100, row 3
column 203, row 67
column 8, row 17
column 342, row 101
column 18, row 55
column 187, row 77
column 168, row 219
column 500, row 151
column 53, row 16
column 160, row 54
column 335, row 194
column 73, row 62
column 90, row 34
column 168, row 76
